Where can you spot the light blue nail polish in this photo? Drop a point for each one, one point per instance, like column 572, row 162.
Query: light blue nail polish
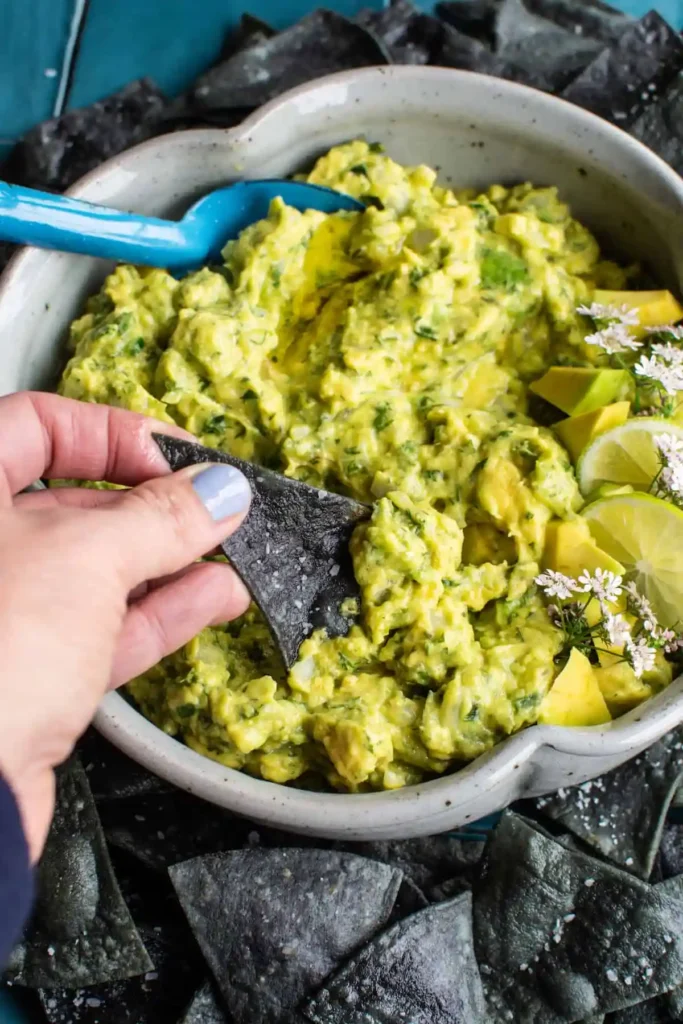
column 223, row 491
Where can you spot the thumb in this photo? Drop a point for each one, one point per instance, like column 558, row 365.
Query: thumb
column 165, row 524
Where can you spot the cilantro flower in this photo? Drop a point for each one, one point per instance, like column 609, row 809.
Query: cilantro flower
column 657, row 371
column 641, row 607
column 667, row 331
column 669, row 353
column 610, row 314
column 617, row 629
column 556, row 584
column 669, row 447
column 605, row 585
column 671, row 481
column 613, row 338
column 641, row 656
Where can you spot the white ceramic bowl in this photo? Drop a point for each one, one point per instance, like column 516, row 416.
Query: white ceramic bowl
column 476, row 131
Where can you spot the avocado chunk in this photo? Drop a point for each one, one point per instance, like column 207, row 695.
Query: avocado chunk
column 575, row 697
column 577, row 389
column 570, row 548
column 577, row 432
column 654, row 308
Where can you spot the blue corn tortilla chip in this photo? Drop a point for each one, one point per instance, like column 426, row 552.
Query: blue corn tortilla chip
column 155, row 997
column 562, row 936
column 622, row 814
column 249, row 32
column 591, row 20
column 549, row 56
column 319, row 44
column 81, row 932
column 204, row 1008
column 272, row 924
column 671, row 851
column 651, row 1012
column 56, row 153
column 476, row 18
column 112, row 775
column 421, row 971
column 429, row 861
column 165, row 828
column 630, row 75
column 397, row 28
column 660, row 126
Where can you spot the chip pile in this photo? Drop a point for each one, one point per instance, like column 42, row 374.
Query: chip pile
column 157, row 908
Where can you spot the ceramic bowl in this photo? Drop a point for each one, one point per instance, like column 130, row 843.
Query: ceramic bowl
column 476, row 131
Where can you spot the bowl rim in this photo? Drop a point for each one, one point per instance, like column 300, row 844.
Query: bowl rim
column 438, row 803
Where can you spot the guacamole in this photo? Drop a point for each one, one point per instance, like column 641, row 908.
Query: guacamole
column 385, row 355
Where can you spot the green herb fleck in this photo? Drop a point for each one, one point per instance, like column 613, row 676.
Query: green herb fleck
column 359, row 169
column 425, row 331
column 502, row 270
column 186, row 710
column 215, row 424
column 372, row 201
column 133, row 347
column 384, row 417
column 376, row 147
column 249, row 393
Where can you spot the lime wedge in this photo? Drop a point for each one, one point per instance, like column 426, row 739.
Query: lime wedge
column 624, row 455
column 645, row 534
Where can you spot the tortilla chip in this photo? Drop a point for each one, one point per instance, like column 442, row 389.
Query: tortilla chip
column 583, row 18
column 549, row 56
column 319, row 44
column 272, row 924
column 630, row 75
column 204, row 1008
column 671, row 850
column 428, row 862
column 81, row 932
column 622, row 814
column 422, row 970
column 397, row 26
column 561, row 936
column 305, row 529
column 660, row 126
column 112, row 775
column 476, row 18
column 250, row 31
column 651, row 1012
column 54, row 154
column 163, row 829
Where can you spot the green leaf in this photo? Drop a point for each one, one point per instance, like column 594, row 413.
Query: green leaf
column 384, row 417
column 215, row 424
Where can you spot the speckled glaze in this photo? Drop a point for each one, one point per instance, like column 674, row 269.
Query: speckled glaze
column 475, row 130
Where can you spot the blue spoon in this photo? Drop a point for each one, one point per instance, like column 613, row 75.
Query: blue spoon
column 52, row 221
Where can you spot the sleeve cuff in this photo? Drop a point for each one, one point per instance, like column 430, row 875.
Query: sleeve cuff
column 16, row 875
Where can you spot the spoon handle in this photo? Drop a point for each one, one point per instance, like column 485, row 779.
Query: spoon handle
column 52, row 221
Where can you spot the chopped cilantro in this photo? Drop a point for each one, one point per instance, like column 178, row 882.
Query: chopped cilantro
column 425, row 331
column 416, row 275
column 529, row 700
column 384, row 416
column 502, row 270
column 133, row 347
column 249, row 393
column 186, row 710
column 376, row 147
column 359, row 169
column 275, row 276
column 215, row 424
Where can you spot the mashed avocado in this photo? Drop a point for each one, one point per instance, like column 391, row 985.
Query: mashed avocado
column 385, row 355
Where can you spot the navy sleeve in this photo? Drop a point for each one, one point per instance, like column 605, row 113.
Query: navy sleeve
column 16, row 875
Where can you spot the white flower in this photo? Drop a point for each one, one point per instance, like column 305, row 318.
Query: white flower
column 642, row 607
column 673, row 642
column 613, row 338
column 668, row 330
column 617, row 629
column 610, row 314
column 555, row 584
column 641, row 656
column 603, row 583
column 669, row 447
column 671, row 480
column 670, row 377
column 671, row 354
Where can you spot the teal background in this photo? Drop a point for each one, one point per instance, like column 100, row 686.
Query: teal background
column 169, row 40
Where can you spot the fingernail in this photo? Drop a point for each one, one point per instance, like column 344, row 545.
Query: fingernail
column 222, row 490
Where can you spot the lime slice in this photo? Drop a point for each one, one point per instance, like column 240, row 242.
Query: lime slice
column 624, row 455
column 645, row 534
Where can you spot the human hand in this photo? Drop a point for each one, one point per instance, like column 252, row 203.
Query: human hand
column 96, row 585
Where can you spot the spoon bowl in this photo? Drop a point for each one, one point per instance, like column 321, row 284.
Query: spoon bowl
column 50, row 221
